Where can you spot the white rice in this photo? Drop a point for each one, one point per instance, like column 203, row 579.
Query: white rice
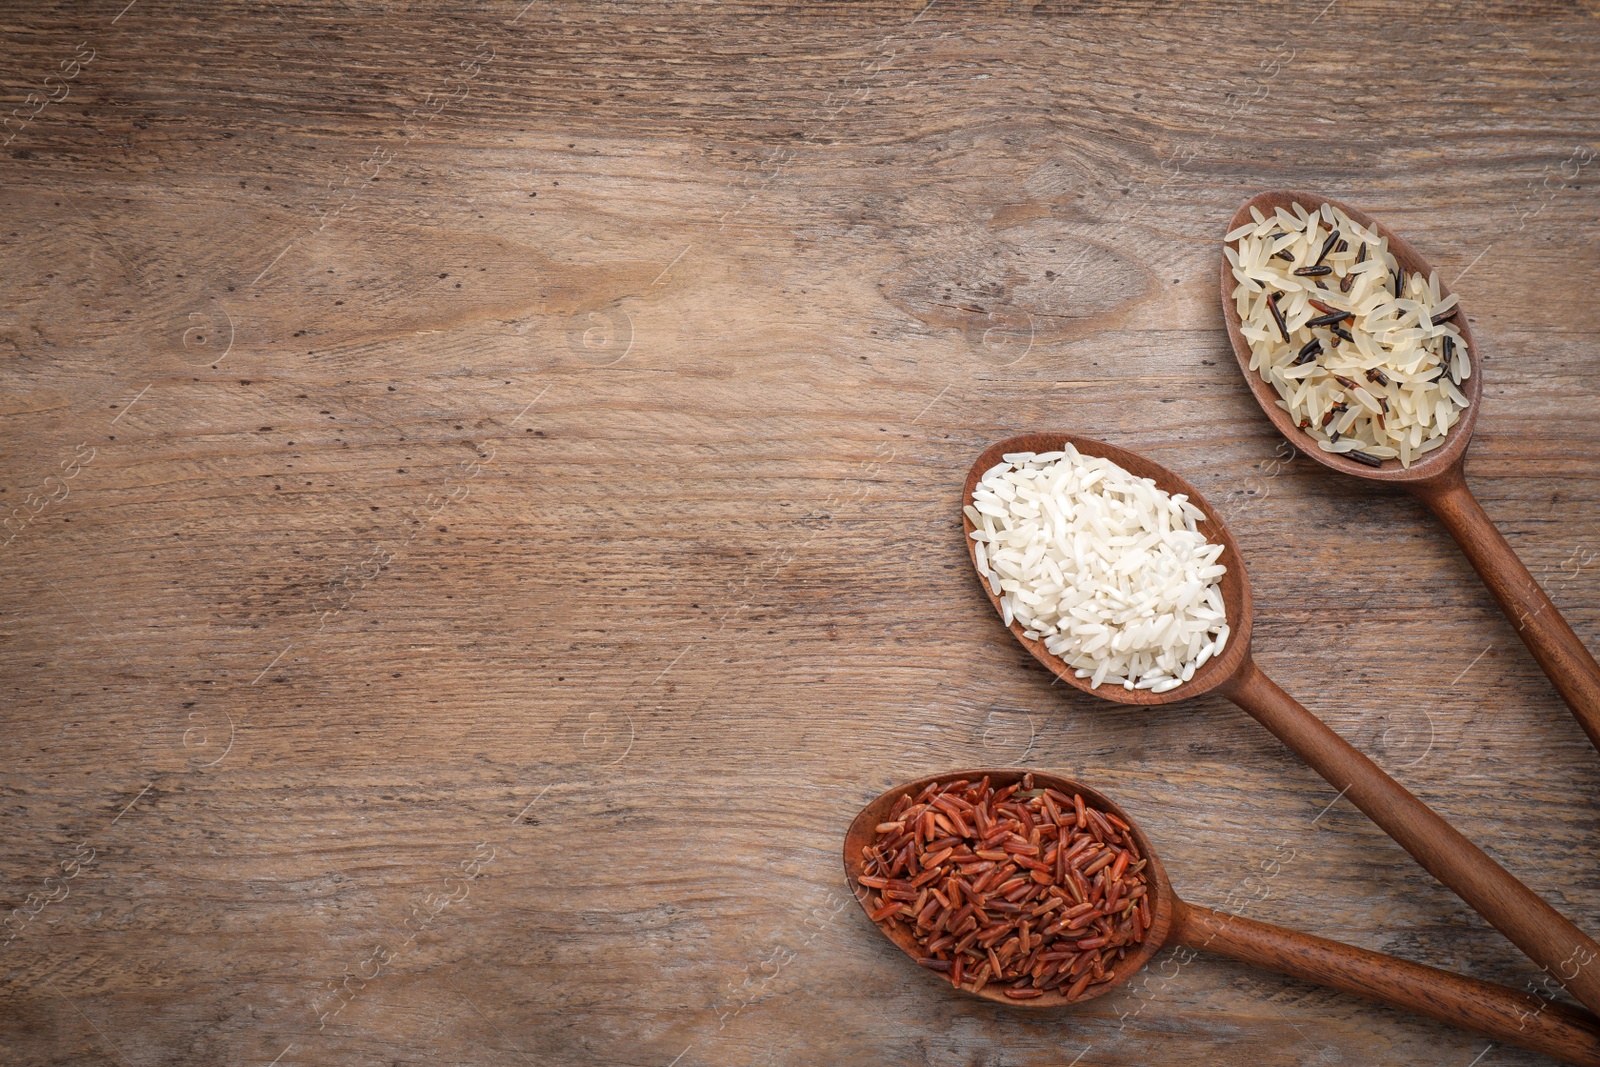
column 1402, row 374
column 1108, row 570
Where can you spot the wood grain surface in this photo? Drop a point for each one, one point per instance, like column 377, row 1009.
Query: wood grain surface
column 480, row 504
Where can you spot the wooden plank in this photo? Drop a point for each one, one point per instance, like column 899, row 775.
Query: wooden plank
column 540, row 428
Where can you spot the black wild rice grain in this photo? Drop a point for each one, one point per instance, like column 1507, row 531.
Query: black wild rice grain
column 1447, row 365
column 1362, row 457
column 1329, row 320
column 1313, row 272
column 1341, row 332
column 1327, row 246
column 1277, row 315
column 1308, row 352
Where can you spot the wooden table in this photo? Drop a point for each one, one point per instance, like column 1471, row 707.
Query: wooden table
column 482, row 511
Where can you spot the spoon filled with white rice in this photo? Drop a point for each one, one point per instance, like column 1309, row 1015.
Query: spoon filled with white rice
column 1118, row 576
column 1108, row 570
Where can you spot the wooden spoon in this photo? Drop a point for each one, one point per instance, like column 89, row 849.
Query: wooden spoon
column 1535, row 927
column 1438, row 481
column 1495, row 1011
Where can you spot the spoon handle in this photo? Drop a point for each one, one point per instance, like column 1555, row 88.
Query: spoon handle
column 1568, row 956
column 1538, row 622
column 1506, row 1015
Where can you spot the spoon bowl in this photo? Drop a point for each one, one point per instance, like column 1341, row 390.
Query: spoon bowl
column 1428, row 466
column 1438, row 479
column 1235, row 585
column 1504, row 1014
column 863, row 831
column 1530, row 923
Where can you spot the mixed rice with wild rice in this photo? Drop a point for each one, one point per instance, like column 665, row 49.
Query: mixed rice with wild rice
column 1365, row 356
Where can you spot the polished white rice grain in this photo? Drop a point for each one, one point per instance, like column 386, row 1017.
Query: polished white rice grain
column 1108, row 570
